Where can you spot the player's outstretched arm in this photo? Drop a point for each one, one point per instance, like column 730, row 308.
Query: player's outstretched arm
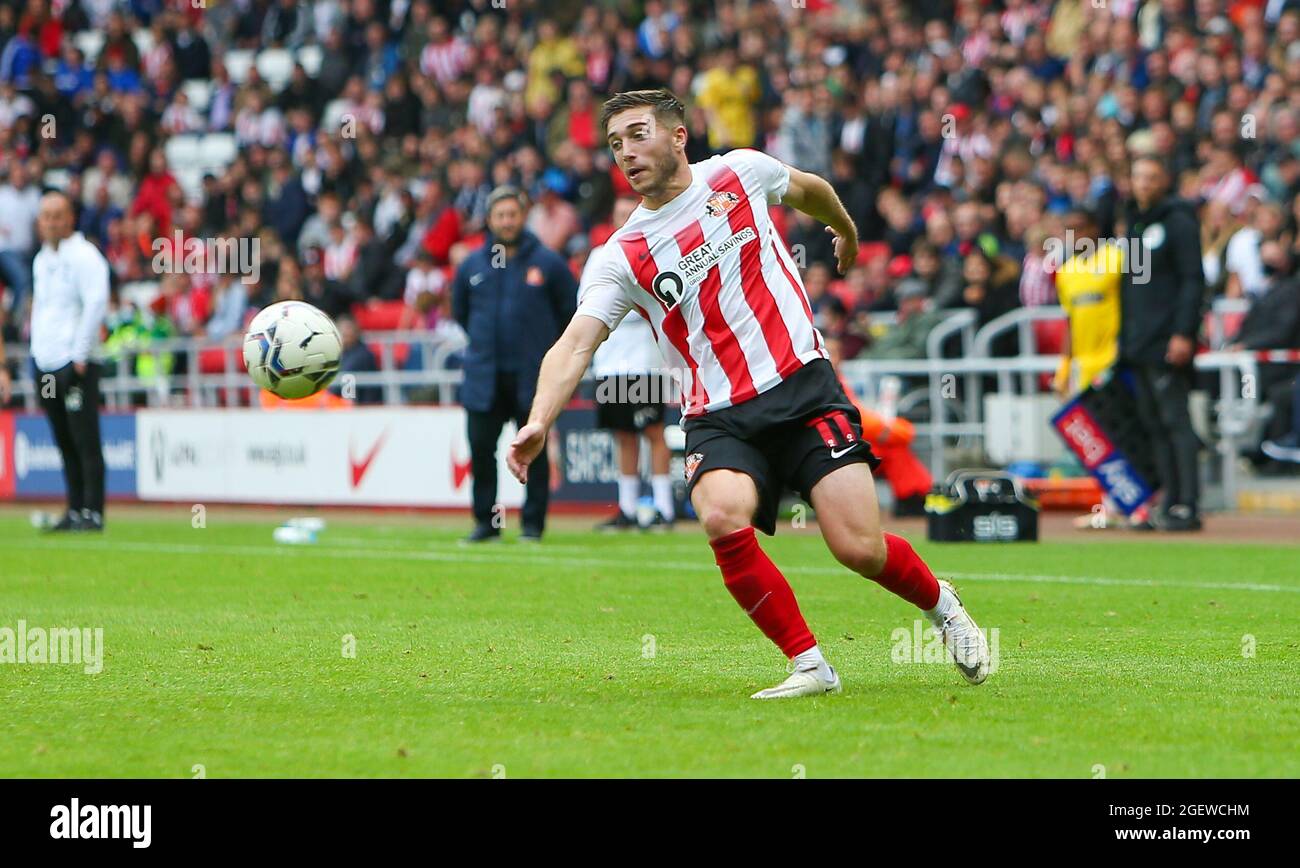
column 562, row 368
column 814, row 196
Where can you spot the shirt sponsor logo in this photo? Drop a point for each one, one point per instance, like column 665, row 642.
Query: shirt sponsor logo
column 695, row 266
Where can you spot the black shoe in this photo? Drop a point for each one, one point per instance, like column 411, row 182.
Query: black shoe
column 482, row 534
column 1180, row 518
column 910, row 507
column 530, row 535
column 620, row 521
column 70, row 523
column 659, row 524
column 91, row 521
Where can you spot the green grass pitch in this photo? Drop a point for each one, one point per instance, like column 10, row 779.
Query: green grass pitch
column 607, row 656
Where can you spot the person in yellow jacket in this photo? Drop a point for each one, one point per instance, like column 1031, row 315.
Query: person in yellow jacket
column 1087, row 287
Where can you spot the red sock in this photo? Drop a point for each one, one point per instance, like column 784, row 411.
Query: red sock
column 907, row 575
column 762, row 591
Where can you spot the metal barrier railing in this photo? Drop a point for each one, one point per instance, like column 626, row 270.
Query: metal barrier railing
column 231, row 387
column 1237, row 407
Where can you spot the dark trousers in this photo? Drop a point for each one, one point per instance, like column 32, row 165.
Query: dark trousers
column 484, row 432
column 1162, row 398
column 71, row 402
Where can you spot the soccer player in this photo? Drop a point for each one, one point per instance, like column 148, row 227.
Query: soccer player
column 701, row 261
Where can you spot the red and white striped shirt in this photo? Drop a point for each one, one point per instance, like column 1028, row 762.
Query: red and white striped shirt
column 711, row 275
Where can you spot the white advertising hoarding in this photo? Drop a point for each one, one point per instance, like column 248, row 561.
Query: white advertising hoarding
column 373, row 456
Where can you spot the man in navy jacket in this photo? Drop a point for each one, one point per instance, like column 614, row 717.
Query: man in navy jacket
column 513, row 297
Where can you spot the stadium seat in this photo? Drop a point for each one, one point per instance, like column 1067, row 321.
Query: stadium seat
column 275, row 66
column 1228, row 326
column 1049, row 339
column 182, row 152
column 237, row 64
column 56, row 178
column 143, row 40
column 139, row 293
column 310, row 56
column 217, row 150
column 871, row 250
column 199, row 93
column 213, row 361
column 378, row 315
column 401, row 352
column 190, row 179
column 90, row 42
column 1049, row 336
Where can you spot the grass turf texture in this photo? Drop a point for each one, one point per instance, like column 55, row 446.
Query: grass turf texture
column 225, row 650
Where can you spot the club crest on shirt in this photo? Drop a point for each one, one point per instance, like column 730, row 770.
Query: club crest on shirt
column 693, row 463
column 535, row 276
column 720, row 203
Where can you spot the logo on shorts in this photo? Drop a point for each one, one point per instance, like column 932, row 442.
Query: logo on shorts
column 693, row 464
column 720, row 203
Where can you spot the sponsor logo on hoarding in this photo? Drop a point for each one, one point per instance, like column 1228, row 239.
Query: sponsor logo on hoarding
column 359, row 468
column 1085, row 438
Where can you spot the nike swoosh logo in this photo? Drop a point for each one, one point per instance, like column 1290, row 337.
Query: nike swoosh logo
column 836, row 453
column 459, row 472
column 759, row 603
column 359, row 468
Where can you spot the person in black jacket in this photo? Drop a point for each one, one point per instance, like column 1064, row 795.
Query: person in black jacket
column 513, row 297
column 1161, row 301
column 1273, row 323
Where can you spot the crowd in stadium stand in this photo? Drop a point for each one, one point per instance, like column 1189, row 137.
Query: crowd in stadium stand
column 368, row 134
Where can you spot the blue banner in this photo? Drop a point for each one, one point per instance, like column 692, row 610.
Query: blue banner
column 38, row 467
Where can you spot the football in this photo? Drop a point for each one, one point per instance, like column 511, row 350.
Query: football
column 292, row 349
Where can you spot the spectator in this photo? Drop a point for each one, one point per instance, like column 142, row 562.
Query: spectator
column 357, row 358
column 20, row 202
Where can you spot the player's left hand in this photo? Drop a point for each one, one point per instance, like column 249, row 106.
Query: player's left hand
column 527, row 445
column 1180, row 351
column 846, row 250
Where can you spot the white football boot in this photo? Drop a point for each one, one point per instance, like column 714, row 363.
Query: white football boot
column 803, row 682
column 964, row 640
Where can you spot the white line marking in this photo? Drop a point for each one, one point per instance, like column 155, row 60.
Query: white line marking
column 461, row 554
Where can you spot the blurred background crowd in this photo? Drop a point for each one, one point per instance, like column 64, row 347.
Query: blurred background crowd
column 358, row 140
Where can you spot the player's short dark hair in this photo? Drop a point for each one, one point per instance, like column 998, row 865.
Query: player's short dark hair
column 667, row 107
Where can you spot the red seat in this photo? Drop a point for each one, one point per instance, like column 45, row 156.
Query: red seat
column 401, row 352
column 379, row 315
column 872, row 250
column 1049, row 336
column 1049, row 340
column 1231, row 322
column 213, row 361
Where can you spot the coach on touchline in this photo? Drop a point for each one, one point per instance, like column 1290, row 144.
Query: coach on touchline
column 69, row 301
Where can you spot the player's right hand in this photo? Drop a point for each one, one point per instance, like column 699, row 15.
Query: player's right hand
column 527, row 445
column 846, row 250
column 6, row 387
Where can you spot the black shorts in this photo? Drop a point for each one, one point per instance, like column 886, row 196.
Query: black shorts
column 633, row 415
column 789, row 437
